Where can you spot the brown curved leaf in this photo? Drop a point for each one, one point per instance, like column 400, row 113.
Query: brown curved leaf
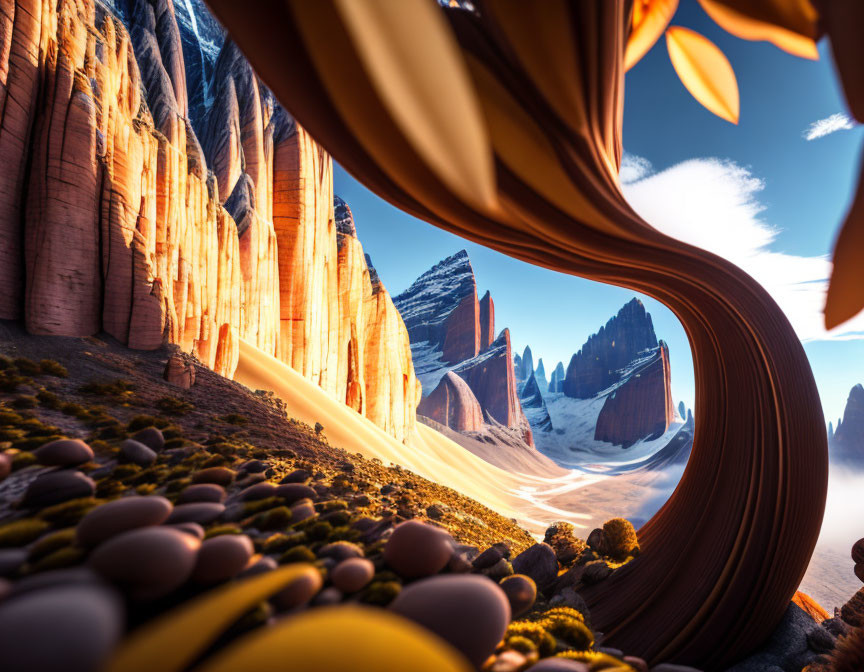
column 845, row 297
column 790, row 25
column 650, row 18
column 704, row 71
column 409, row 69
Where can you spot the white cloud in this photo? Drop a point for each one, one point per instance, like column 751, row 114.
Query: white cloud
column 822, row 127
column 633, row 168
column 714, row 204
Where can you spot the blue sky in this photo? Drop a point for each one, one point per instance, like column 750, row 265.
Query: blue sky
column 759, row 193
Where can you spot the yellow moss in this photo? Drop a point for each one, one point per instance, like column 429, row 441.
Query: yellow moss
column 22, row 532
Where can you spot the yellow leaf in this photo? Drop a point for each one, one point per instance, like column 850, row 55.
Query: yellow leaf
column 360, row 639
column 650, row 18
column 787, row 24
column 174, row 640
column 705, row 71
column 411, row 57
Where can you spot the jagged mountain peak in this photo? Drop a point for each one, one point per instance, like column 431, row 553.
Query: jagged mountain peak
column 343, row 217
column 428, row 302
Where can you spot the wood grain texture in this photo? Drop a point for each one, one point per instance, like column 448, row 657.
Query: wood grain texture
column 723, row 557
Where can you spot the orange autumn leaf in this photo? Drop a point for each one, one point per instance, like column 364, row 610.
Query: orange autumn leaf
column 704, row 71
column 650, row 18
column 787, row 24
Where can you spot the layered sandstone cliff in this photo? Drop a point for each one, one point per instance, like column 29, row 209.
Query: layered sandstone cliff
column 640, row 407
column 115, row 218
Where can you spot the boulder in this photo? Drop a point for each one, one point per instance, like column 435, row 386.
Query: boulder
column 64, row 453
column 121, row 515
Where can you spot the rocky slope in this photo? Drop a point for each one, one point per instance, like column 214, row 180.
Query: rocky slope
column 451, row 331
column 195, row 243
column 846, row 442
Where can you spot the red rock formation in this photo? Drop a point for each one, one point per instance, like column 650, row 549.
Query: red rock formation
column 491, row 377
column 487, row 321
column 453, row 403
column 462, row 340
column 641, row 407
column 595, row 366
column 124, row 231
column 22, row 55
column 179, row 372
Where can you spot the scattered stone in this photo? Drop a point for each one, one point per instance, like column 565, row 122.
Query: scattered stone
column 196, row 512
column 568, row 597
column 836, row 626
column 340, row 550
column 261, row 490
column 151, row 437
column 435, row 512
column 179, row 372
column 253, row 467
column 202, row 492
column 858, row 552
column 137, row 453
column 69, row 628
column 292, row 492
column 328, row 597
column 468, row 611
column 219, row 475
column 302, row 510
column 58, row 486
column 121, row 515
column 189, row 528
column 221, row 558
column 509, row 661
column 415, row 550
column 260, row 566
column 521, row 592
column 559, row 665
column 500, row 570
column 596, row 572
column 561, row 537
column 596, row 541
column 71, row 576
column 461, row 560
column 352, row 574
column 538, row 562
column 491, row 556
column 299, row 591
column 149, row 562
column 64, row 453
column 296, row 476
column 11, row 560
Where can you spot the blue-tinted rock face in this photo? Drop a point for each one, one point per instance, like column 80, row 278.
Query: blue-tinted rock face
column 427, row 303
column 597, row 365
column 847, row 442
column 534, row 406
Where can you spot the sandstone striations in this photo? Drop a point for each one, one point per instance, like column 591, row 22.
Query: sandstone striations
column 846, row 444
column 641, row 406
column 115, row 218
column 453, row 404
column 596, row 366
column 487, row 321
column 490, row 376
